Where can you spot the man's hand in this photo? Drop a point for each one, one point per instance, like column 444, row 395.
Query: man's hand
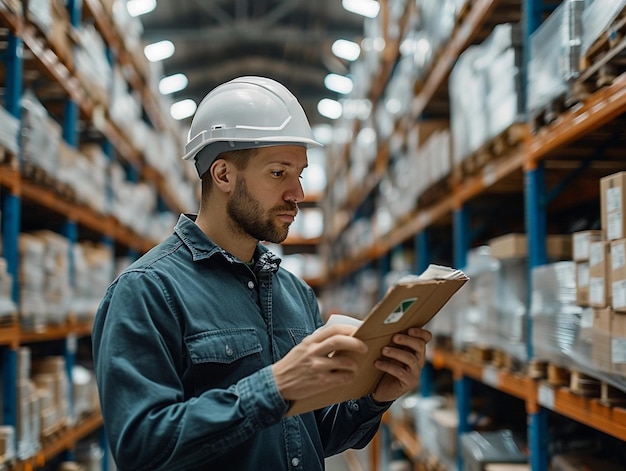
column 309, row 368
column 402, row 362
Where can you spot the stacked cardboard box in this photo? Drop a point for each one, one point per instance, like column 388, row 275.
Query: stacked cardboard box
column 607, row 277
column 581, row 242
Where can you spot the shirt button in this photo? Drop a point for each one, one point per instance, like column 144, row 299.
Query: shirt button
column 355, row 406
column 251, row 284
column 229, row 351
column 295, row 462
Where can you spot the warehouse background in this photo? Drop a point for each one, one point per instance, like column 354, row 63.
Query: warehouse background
column 481, row 134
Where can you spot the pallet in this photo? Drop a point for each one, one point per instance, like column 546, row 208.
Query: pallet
column 611, row 396
column 8, row 159
column 604, row 61
column 39, row 176
column 479, row 353
column 496, row 147
column 503, row 360
column 436, row 192
column 537, row 369
column 54, row 432
column 584, row 385
column 549, row 112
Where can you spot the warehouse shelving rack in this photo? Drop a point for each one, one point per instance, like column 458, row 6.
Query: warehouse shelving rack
column 542, row 169
column 72, row 219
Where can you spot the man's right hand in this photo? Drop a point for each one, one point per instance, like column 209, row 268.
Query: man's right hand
column 318, row 363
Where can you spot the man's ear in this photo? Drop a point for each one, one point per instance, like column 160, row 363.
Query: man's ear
column 221, row 174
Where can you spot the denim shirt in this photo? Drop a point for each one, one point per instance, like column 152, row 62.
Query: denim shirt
column 183, row 343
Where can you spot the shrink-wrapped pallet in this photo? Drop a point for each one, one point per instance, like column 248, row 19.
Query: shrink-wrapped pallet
column 597, row 19
column 9, row 131
column 40, row 139
column 486, row 95
column 554, row 56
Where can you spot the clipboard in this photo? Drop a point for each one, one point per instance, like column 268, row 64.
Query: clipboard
column 411, row 302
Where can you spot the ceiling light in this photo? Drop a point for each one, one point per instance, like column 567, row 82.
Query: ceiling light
column 160, row 50
column 338, row 83
column 345, row 49
column 323, row 133
column 183, row 109
column 173, row 83
column 140, row 7
column 367, row 8
column 329, row 108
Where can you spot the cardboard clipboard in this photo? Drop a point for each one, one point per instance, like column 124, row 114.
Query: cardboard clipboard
column 410, row 303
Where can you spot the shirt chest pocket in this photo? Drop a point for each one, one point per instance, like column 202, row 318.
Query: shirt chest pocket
column 220, row 358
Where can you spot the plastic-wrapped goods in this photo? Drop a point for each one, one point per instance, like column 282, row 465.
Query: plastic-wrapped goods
column 479, row 449
column 555, row 314
column 84, row 172
column 45, row 290
column 491, row 310
column 94, row 270
column 40, row 14
column 468, row 120
column 478, row 313
column 8, row 309
column 40, row 135
column 597, row 18
column 9, row 131
column 92, row 65
column 555, row 55
column 512, row 307
column 32, row 308
column 438, row 20
column 486, row 90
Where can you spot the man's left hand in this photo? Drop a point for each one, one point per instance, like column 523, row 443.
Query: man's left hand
column 402, row 362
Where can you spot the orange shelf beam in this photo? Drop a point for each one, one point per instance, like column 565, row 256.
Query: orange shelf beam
column 610, row 420
column 68, row 440
column 599, row 109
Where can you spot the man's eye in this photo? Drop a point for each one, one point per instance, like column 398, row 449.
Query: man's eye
column 277, row 173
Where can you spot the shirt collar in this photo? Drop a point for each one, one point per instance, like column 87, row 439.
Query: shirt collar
column 202, row 247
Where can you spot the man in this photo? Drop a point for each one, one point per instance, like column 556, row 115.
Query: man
column 201, row 345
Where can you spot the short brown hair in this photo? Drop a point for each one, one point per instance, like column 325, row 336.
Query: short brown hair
column 238, row 157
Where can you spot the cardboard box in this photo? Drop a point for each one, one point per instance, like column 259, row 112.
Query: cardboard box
column 618, row 344
column 558, row 247
column 599, row 274
column 601, row 351
column 581, row 242
column 601, row 339
column 618, row 325
column 582, row 283
column 618, row 274
column 612, row 204
column 602, row 319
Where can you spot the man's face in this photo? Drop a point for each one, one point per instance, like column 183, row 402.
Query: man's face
column 264, row 202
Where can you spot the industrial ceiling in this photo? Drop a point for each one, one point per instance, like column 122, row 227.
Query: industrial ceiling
column 288, row 40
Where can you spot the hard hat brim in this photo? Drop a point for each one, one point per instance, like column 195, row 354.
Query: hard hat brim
column 261, row 142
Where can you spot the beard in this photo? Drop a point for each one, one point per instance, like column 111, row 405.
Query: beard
column 248, row 217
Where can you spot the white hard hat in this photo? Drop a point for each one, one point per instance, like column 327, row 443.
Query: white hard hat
column 244, row 113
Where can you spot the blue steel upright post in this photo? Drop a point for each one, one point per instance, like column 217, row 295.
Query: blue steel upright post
column 462, row 384
column 535, row 219
column 11, row 221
